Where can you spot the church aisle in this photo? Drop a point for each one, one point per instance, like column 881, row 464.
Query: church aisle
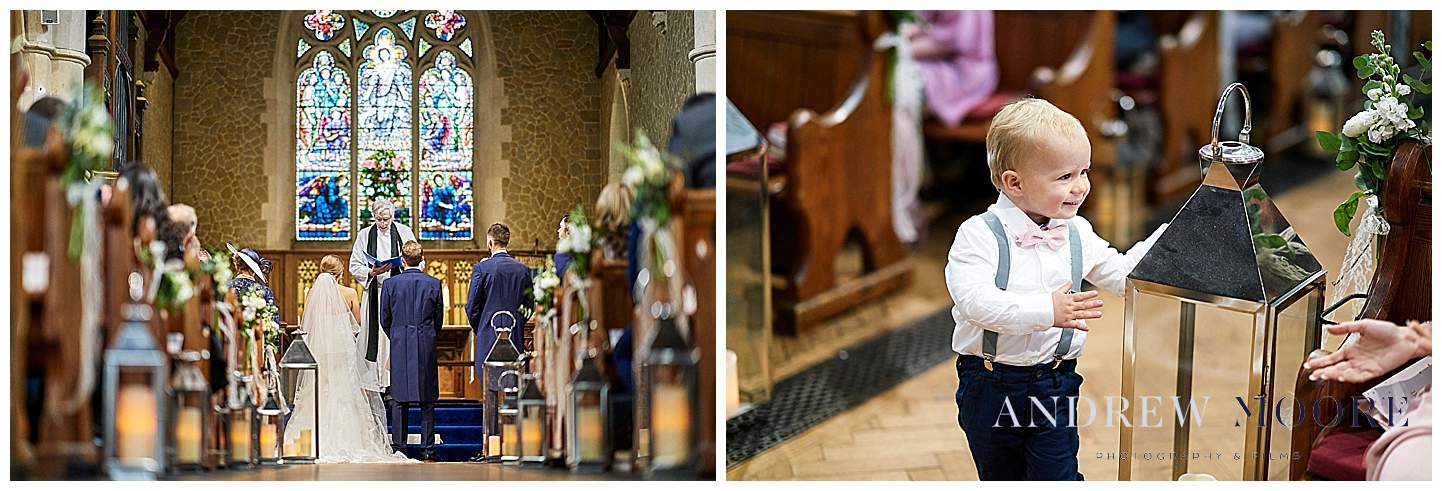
column 445, row 471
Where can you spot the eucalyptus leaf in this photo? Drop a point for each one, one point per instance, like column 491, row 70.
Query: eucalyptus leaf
column 1363, row 180
column 1422, row 60
column 1417, row 85
column 1378, row 171
column 1270, row 241
column 1329, row 141
column 1359, row 61
column 1342, row 215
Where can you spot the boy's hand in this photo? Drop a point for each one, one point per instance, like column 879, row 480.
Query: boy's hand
column 1071, row 309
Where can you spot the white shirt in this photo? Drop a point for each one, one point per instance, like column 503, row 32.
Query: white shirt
column 1022, row 314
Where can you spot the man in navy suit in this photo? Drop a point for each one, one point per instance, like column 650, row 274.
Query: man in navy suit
column 498, row 283
column 411, row 310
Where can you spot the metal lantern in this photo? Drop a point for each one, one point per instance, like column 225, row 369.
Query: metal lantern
column 187, row 413
column 590, row 439
column 502, row 357
column 1230, row 263
column 135, row 401
column 670, row 379
column 531, row 422
column 269, row 430
column 242, row 424
column 507, row 418
column 298, row 362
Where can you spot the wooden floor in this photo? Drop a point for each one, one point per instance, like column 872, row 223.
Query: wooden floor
column 442, row 471
column 910, row 432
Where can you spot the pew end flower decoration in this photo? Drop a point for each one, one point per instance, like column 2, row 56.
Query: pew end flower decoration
column 580, row 239
column 1369, row 138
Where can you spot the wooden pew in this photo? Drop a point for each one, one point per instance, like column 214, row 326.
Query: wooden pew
column 1401, row 288
column 695, row 226
column 835, row 186
column 1294, row 42
column 1187, row 67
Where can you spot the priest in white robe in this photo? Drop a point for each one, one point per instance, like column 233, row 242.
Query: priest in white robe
column 381, row 240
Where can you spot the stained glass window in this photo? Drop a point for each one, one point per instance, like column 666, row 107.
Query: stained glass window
column 322, row 148
column 446, row 23
column 446, row 142
column 325, row 24
column 351, row 149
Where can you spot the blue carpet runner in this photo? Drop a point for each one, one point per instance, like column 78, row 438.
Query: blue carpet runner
column 458, row 422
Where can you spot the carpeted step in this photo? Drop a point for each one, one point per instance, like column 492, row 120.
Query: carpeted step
column 447, row 452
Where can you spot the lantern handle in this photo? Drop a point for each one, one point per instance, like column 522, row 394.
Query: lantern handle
column 508, row 314
column 514, row 374
column 1245, row 135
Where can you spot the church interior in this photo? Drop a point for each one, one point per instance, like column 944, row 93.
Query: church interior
column 137, row 135
column 839, row 323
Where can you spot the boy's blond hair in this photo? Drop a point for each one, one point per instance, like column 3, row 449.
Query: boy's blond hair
column 1020, row 127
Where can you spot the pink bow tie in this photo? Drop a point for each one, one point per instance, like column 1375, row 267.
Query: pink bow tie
column 1053, row 238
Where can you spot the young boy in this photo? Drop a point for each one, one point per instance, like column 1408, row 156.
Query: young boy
column 1013, row 273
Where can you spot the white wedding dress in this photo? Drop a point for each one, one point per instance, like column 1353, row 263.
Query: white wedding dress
column 353, row 426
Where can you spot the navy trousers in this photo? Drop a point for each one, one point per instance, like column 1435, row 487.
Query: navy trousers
column 400, row 423
column 1019, row 442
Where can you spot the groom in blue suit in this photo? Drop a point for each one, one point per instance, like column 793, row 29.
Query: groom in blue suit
column 411, row 312
column 498, row 283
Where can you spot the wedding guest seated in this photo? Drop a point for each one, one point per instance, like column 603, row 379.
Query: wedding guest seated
column 562, row 260
column 1404, row 452
column 179, row 232
column 613, row 222
column 693, row 140
column 955, row 52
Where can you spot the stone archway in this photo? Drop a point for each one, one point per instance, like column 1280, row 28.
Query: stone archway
column 616, row 94
column 490, row 167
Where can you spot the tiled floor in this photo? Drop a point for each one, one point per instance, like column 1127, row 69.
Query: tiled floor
column 910, row 432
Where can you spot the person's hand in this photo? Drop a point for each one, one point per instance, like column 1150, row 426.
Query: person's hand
column 1070, row 310
column 379, row 270
column 1380, row 347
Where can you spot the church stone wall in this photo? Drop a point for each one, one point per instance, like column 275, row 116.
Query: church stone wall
column 662, row 76
column 224, row 58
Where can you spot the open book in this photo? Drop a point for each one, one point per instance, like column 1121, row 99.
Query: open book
column 1391, row 398
column 373, row 262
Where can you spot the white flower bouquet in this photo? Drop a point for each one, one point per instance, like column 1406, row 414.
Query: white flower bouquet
column 1388, row 118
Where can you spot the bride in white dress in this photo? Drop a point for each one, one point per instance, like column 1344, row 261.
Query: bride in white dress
column 354, row 426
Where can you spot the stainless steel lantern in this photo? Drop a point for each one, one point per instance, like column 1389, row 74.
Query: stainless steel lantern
column 1229, row 281
column 271, row 422
column 507, row 417
column 298, row 362
column 243, row 421
column 669, row 370
column 531, row 422
column 502, row 357
column 135, row 401
column 590, row 439
column 187, row 413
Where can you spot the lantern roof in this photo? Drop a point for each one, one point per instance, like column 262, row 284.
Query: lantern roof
column 298, row 355
column 530, row 392
column 668, row 345
column 1228, row 241
column 503, row 352
column 135, row 346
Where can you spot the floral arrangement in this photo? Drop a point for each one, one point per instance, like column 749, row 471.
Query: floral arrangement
column 257, row 313
column 1387, row 119
column 578, row 242
column 648, row 173
column 218, row 268
column 89, row 134
column 384, row 173
column 543, row 287
column 174, row 286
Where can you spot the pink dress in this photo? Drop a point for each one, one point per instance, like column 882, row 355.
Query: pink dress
column 1404, row 453
column 956, row 84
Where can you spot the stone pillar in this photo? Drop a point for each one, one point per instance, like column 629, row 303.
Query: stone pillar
column 54, row 55
column 703, row 55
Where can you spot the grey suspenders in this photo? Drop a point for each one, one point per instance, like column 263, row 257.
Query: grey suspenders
column 1003, row 274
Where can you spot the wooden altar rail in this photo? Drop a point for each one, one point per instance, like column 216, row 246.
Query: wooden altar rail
column 295, row 272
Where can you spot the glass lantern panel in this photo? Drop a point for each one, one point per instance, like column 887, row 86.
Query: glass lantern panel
column 1298, row 334
column 748, row 302
column 590, row 426
column 1197, row 378
column 670, row 424
column 136, row 415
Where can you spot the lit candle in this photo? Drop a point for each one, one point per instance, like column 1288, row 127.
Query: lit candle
column 267, row 440
column 531, row 434
column 240, row 439
column 493, row 445
column 670, row 425
column 510, row 440
column 588, row 431
column 305, row 444
column 135, row 423
column 187, row 436
column 733, row 387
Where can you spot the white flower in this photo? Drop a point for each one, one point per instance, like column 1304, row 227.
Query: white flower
column 580, row 238
column 563, row 245
column 1404, row 89
column 1390, row 109
column 1374, row 94
column 1380, row 133
column 632, row 177
column 1359, row 123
